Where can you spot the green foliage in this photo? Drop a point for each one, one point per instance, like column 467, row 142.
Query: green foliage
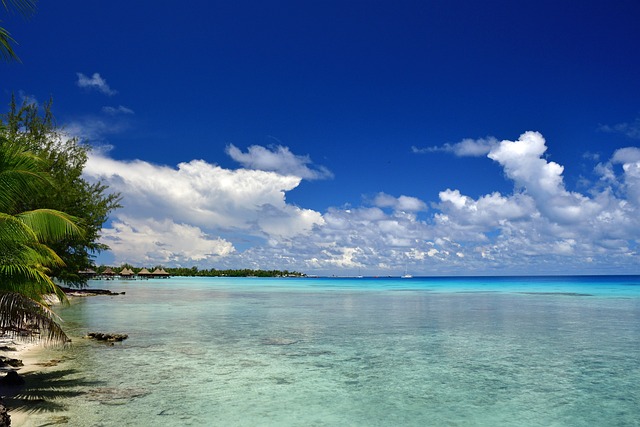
column 25, row 257
column 195, row 272
column 64, row 158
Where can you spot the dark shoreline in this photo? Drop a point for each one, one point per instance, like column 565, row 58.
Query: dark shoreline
column 85, row 292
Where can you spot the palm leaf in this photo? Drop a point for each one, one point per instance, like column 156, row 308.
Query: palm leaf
column 6, row 51
column 50, row 225
column 30, row 282
column 21, row 174
column 23, row 317
column 14, row 231
column 24, row 7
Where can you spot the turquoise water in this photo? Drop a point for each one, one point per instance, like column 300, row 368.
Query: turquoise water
column 352, row 352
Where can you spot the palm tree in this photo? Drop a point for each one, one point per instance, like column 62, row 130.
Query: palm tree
column 25, row 8
column 25, row 257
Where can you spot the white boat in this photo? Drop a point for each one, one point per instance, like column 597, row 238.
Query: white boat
column 406, row 275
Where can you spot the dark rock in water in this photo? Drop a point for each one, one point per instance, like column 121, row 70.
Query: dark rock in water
column 5, row 418
column 109, row 337
column 89, row 292
column 12, row 379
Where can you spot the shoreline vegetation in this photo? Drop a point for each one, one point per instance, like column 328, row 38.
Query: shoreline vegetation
column 129, row 271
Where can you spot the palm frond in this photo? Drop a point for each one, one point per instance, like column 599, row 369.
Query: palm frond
column 23, row 317
column 22, row 174
column 24, row 7
column 32, row 282
column 15, row 231
column 6, row 51
column 50, row 225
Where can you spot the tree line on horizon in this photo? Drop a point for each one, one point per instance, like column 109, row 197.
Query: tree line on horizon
column 212, row 272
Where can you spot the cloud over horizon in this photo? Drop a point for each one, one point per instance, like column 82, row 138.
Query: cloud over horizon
column 541, row 227
column 201, row 197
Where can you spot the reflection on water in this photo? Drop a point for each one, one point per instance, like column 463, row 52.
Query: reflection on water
column 260, row 352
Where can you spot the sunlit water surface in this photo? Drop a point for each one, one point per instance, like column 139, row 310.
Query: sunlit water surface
column 352, row 352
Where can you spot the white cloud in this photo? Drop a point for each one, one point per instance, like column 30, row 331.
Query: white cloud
column 402, row 203
column 523, row 163
column 206, row 197
column 146, row 241
column 202, row 214
column 279, row 159
column 631, row 130
column 465, row 148
column 488, row 211
column 95, row 129
column 95, row 82
column 626, row 155
column 29, row 99
column 120, row 109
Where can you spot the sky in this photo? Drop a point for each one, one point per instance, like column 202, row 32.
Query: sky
column 350, row 137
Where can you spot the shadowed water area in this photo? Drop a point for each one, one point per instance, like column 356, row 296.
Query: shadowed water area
column 357, row 352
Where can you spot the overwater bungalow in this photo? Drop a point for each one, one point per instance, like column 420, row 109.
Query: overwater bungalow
column 144, row 273
column 127, row 273
column 160, row 273
column 108, row 274
column 88, row 273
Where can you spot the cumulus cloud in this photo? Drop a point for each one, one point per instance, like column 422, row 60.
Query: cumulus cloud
column 95, row 82
column 278, row 159
column 402, row 203
column 540, row 228
column 147, row 241
column 202, row 214
column 206, row 197
column 465, row 148
column 523, row 163
column 626, row 155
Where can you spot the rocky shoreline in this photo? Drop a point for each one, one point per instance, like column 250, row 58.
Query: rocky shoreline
column 87, row 292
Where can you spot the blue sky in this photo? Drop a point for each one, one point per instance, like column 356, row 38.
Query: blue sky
column 351, row 137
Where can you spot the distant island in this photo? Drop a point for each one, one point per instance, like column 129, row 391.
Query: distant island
column 129, row 271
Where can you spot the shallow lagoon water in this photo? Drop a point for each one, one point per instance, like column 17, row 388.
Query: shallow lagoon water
column 353, row 352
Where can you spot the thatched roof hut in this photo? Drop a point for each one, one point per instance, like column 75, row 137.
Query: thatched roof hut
column 108, row 272
column 159, row 272
column 126, row 272
column 88, row 272
column 144, row 273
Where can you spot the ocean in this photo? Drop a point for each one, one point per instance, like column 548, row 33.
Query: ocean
column 465, row 351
